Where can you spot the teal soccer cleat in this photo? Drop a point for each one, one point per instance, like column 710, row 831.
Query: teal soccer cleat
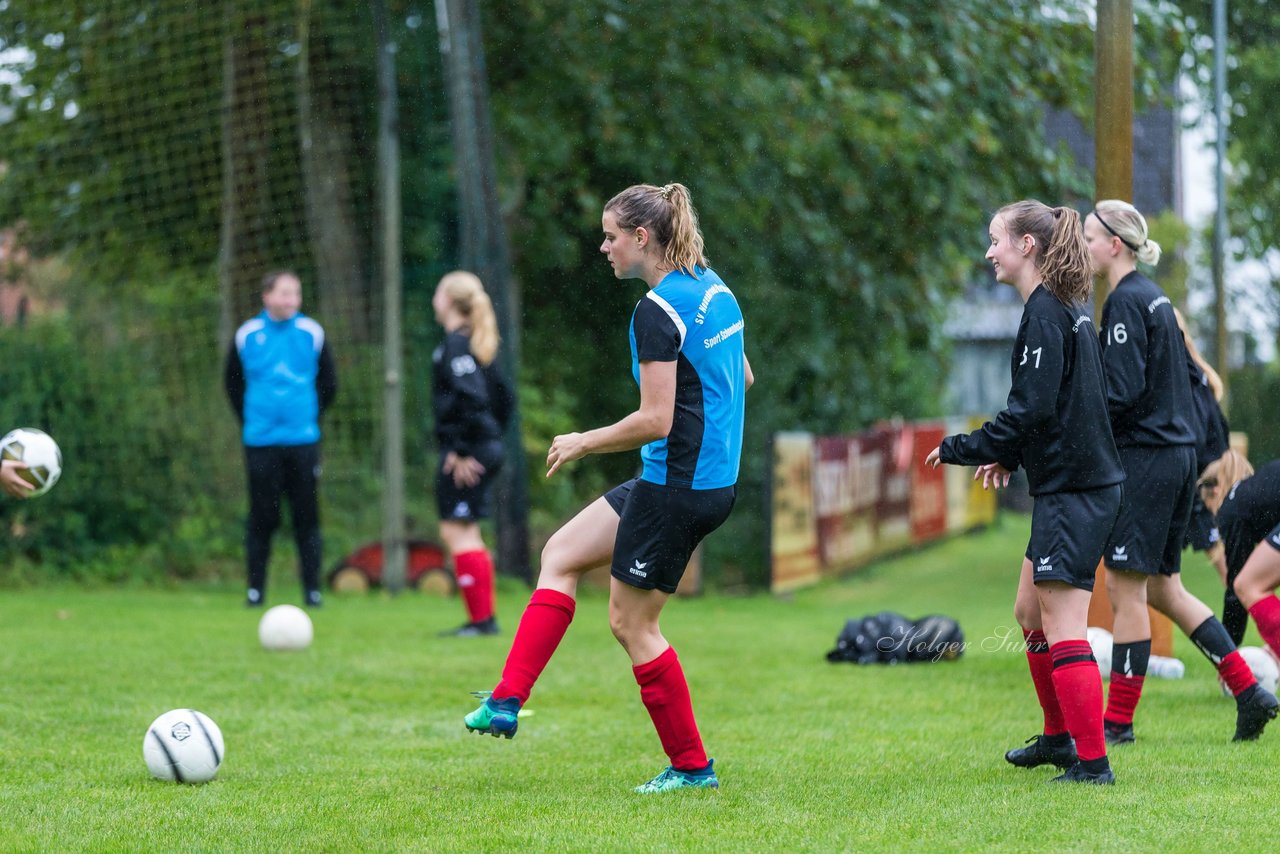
column 670, row 779
column 495, row 717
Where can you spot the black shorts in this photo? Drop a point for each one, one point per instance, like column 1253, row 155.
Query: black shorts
column 1158, row 487
column 659, row 528
column 1068, row 531
column 468, row 504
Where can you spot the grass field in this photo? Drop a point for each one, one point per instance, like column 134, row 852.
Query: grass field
column 357, row 744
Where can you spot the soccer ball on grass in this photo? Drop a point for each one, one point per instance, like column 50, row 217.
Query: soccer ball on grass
column 285, row 627
column 183, row 746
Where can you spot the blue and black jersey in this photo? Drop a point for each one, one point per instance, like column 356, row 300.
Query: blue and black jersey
column 1148, row 391
column 280, row 377
column 1055, row 423
column 695, row 322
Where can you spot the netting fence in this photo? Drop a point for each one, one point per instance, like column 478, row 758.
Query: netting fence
column 158, row 159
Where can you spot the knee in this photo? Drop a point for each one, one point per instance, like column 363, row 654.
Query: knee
column 629, row 629
column 1026, row 612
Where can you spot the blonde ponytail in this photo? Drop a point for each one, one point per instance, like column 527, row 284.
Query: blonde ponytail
column 1225, row 472
column 467, row 295
column 1124, row 221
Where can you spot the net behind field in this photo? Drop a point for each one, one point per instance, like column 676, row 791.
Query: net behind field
column 160, row 158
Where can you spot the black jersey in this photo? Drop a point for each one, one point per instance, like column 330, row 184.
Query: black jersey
column 1248, row 513
column 468, row 399
column 1148, row 393
column 1213, row 436
column 1055, row 423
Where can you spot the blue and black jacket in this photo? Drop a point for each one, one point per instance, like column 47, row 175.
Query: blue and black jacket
column 280, row 378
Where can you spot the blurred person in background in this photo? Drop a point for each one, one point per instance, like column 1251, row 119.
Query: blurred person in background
column 472, row 404
column 1246, row 506
column 280, row 379
column 1213, row 439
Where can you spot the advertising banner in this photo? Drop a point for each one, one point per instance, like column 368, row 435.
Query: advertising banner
column 893, row 508
column 794, row 532
column 928, row 485
column 846, row 489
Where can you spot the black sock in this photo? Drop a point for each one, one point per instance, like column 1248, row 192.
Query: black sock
column 1212, row 639
column 1131, row 659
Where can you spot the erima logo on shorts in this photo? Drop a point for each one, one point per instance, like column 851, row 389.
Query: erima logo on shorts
column 462, row 509
column 638, row 569
column 1044, row 566
column 1119, row 554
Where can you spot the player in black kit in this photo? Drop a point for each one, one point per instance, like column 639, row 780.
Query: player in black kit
column 1056, row 427
column 1247, row 507
column 1151, row 408
column 1213, row 439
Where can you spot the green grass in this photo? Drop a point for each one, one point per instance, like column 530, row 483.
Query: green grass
column 357, row 743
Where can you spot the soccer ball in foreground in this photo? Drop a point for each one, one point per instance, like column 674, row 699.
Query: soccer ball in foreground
column 1263, row 663
column 37, row 449
column 285, row 627
column 183, row 746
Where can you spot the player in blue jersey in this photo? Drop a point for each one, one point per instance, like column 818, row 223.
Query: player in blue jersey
column 1152, row 413
column 1055, row 426
column 688, row 359
column 280, row 378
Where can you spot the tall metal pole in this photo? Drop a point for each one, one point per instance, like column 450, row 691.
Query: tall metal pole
column 394, row 550
column 1113, row 106
column 1220, row 214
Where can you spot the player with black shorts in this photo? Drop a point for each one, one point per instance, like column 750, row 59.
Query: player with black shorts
column 1056, row 427
column 471, row 402
column 1151, row 408
column 687, row 356
column 1247, row 510
column 1213, row 439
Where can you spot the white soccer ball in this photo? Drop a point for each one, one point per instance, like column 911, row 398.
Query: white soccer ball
column 37, row 449
column 1262, row 661
column 183, row 745
column 1100, row 642
column 285, row 627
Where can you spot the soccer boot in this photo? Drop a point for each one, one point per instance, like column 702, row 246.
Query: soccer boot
column 1255, row 708
column 1078, row 773
column 670, row 779
column 1057, row 750
column 473, row 630
column 495, row 717
column 1117, row 733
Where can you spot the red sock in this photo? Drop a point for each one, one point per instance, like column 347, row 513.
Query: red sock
column 1041, row 664
column 666, row 695
column 1078, row 684
column 1266, row 616
column 1235, row 671
column 475, row 582
column 542, row 626
column 1122, row 699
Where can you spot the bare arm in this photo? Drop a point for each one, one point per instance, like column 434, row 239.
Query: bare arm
column 751, row 377
column 650, row 422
